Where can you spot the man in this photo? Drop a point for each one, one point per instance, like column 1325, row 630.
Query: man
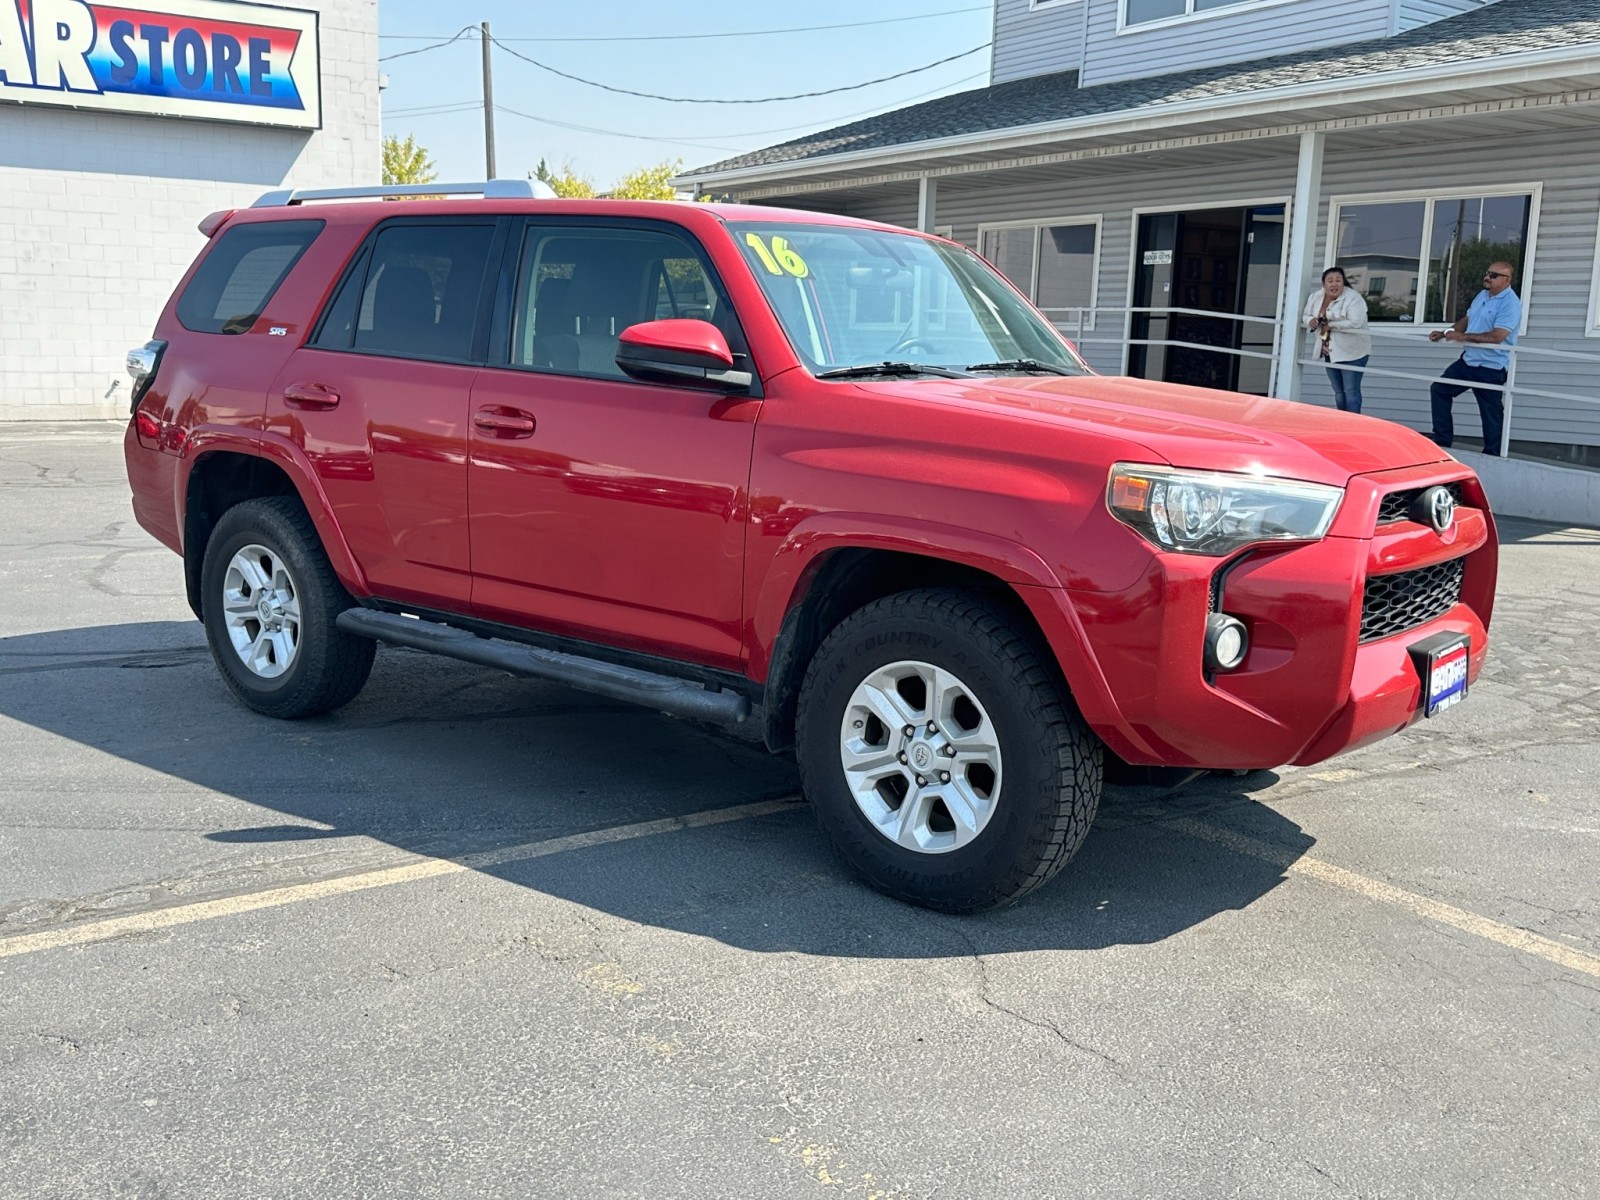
column 1491, row 322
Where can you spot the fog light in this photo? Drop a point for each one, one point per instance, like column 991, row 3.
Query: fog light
column 1226, row 642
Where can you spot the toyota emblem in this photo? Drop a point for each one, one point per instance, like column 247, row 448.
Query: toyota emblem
column 1440, row 507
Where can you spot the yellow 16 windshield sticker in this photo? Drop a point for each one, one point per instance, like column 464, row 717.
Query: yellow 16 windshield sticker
column 777, row 256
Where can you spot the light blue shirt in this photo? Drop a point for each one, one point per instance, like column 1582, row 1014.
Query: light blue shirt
column 1489, row 313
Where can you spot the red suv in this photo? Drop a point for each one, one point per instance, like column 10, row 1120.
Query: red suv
column 730, row 461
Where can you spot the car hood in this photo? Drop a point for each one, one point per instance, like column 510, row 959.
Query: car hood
column 1196, row 427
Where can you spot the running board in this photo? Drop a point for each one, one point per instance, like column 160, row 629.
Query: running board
column 661, row 692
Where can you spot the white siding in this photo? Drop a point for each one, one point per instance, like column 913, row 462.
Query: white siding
column 1061, row 35
column 1557, row 294
column 1221, row 36
column 1411, row 13
column 98, row 215
column 891, row 206
column 1030, row 40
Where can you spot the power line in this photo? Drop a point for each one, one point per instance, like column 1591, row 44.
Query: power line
column 460, row 33
column 833, row 122
column 720, row 137
column 471, row 105
column 680, row 37
column 434, row 110
column 761, row 100
column 608, row 132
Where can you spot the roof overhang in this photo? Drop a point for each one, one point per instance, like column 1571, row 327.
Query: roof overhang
column 1414, row 93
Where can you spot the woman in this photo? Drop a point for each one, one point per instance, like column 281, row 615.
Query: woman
column 1338, row 317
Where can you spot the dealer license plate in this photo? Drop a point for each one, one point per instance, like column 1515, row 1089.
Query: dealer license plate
column 1442, row 662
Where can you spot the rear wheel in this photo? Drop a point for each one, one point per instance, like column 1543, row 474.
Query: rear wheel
column 271, row 600
column 941, row 753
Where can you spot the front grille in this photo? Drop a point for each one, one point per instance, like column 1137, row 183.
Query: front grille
column 1396, row 505
column 1394, row 603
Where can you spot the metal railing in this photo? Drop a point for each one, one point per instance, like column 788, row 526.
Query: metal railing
column 1076, row 329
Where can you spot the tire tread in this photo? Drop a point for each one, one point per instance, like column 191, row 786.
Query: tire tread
column 338, row 663
column 1059, row 732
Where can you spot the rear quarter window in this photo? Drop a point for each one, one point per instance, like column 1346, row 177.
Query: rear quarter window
column 234, row 282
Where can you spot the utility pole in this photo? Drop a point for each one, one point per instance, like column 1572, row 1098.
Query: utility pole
column 1450, row 297
column 488, row 103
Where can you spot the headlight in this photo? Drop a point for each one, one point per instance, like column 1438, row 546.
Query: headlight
column 1208, row 512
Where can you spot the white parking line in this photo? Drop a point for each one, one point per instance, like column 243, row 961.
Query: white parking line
column 1385, row 893
column 206, row 910
column 1324, row 872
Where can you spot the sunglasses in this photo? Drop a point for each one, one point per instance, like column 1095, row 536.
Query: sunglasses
column 1496, row 275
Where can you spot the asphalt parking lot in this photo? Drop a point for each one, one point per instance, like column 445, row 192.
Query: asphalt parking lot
column 474, row 936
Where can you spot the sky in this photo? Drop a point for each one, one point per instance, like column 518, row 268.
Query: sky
column 758, row 50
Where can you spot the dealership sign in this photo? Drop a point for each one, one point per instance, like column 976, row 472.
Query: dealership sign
column 171, row 58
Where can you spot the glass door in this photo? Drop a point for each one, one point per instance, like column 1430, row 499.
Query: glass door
column 1261, row 277
column 1208, row 266
column 1152, row 288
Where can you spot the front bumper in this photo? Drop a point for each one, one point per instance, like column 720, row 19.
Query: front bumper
column 1310, row 686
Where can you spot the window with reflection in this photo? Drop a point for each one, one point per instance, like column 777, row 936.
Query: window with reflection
column 1140, row 12
column 578, row 287
column 1424, row 259
column 850, row 297
column 1053, row 264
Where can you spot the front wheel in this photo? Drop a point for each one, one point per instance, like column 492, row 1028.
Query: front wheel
column 270, row 601
column 941, row 754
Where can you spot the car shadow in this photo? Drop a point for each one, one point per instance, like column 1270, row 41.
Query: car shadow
column 446, row 759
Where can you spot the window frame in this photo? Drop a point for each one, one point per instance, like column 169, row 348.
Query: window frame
column 1190, row 13
column 503, row 324
column 1592, row 327
column 220, row 246
column 360, row 262
column 1039, row 226
column 1417, row 326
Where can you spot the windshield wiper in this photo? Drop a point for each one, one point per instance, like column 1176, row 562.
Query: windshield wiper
column 889, row 368
column 1022, row 364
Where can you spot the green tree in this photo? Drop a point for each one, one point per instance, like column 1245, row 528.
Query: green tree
column 566, row 183
column 1473, row 257
column 649, row 183
column 406, row 162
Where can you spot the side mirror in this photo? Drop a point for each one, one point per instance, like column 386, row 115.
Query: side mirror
column 680, row 351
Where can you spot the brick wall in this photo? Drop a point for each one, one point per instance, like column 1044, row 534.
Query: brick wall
column 98, row 214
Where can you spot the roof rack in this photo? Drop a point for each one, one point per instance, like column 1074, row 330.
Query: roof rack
column 490, row 189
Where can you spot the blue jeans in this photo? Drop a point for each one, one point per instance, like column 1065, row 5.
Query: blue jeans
column 1491, row 404
column 1347, row 384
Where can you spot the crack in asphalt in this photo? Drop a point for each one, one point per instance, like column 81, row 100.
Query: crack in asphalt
column 40, row 913
column 984, row 989
column 141, row 660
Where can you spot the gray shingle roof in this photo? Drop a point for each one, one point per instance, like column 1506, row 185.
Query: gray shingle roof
column 1507, row 27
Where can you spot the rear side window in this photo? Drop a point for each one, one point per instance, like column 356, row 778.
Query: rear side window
column 417, row 293
column 234, row 282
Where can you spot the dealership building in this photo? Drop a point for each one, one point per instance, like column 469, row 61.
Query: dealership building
column 120, row 128
column 1167, row 180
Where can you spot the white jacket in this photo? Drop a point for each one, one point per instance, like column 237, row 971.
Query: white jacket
column 1347, row 321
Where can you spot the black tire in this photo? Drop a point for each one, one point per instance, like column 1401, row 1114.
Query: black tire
column 1044, row 779
column 323, row 667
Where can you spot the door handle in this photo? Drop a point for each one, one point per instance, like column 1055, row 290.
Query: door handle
column 310, row 395
column 504, row 422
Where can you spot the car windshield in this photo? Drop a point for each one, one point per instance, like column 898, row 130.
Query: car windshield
column 855, row 298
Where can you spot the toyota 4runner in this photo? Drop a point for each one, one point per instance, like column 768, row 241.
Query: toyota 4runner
column 835, row 476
